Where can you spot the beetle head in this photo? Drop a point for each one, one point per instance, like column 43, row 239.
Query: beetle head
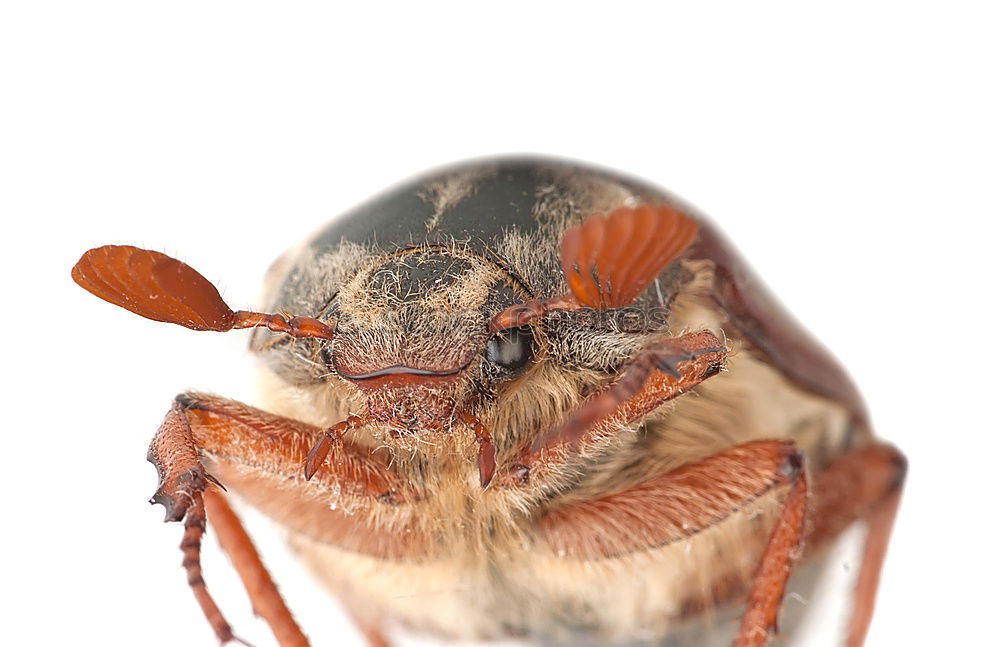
column 412, row 334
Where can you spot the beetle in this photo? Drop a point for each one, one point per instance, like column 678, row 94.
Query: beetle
column 553, row 395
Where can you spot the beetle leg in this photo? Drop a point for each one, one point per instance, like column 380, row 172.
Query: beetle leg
column 880, row 524
column 725, row 483
column 183, row 482
column 648, row 380
column 375, row 637
column 659, row 373
column 240, row 436
column 236, row 438
column 686, row 501
column 863, row 484
column 760, row 618
column 332, row 437
column 366, row 624
column 264, row 596
column 487, row 450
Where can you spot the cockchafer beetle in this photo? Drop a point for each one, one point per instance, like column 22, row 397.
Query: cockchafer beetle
column 552, row 395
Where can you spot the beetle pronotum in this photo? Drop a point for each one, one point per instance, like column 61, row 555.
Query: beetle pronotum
column 552, row 395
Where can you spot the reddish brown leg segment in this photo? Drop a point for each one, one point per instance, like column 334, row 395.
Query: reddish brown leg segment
column 725, row 483
column 375, row 637
column 194, row 530
column 487, row 451
column 249, row 439
column 256, row 454
column 368, row 627
column 760, row 618
column 240, row 439
column 183, row 482
column 264, row 595
column 332, row 438
column 879, row 530
column 681, row 503
column 866, row 484
column 658, row 374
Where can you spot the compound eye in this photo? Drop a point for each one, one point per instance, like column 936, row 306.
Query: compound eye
column 510, row 348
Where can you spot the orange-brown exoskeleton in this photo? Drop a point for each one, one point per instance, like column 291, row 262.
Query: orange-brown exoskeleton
column 551, row 396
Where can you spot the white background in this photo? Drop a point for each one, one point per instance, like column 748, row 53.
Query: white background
column 850, row 150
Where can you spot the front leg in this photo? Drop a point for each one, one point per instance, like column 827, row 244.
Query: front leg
column 657, row 374
column 182, row 486
column 654, row 376
column 229, row 435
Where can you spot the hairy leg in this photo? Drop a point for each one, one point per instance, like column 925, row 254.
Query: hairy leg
column 659, row 373
column 235, row 437
column 863, row 484
column 672, row 506
column 183, row 482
